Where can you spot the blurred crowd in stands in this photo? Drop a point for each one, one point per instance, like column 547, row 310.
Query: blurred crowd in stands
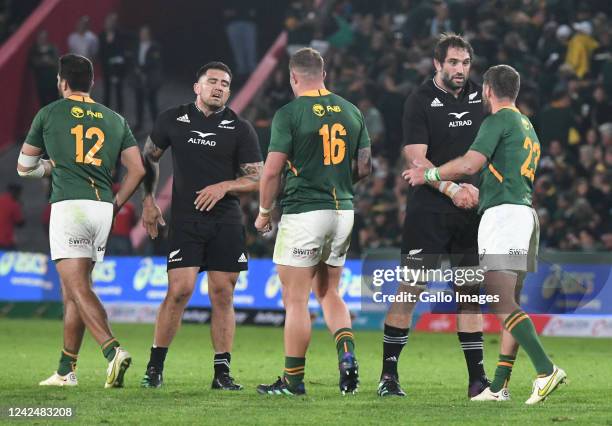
column 122, row 57
column 12, row 14
column 378, row 52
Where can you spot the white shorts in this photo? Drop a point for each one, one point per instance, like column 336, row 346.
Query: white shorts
column 508, row 238
column 79, row 228
column 305, row 239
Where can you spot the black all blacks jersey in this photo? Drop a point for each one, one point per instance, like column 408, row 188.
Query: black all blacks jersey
column 448, row 126
column 205, row 151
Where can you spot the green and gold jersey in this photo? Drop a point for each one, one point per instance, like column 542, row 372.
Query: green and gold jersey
column 511, row 145
column 84, row 140
column 321, row 133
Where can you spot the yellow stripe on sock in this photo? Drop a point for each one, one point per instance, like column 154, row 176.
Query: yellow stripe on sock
column 70, row 354
column 505, row 364
column 513, row 315
column 513, row 318
column 108, row 342
column 518, row 320
column 343, row 334
column 294, row 373
column 294, row 369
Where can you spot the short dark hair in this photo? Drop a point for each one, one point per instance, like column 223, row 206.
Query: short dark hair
column 77, row 71
column 307, row 61
column 449, row 40
column 214, row 65
column 504, row 80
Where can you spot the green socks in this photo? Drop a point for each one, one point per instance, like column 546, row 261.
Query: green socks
column 520, row 326
column 344, row 342
column 108, row 348
column 294, row 371
column 502, row 372
column 67, row 363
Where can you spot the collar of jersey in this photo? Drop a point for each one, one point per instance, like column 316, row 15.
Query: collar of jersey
column 78, row 98
column 464, row 90
column 515, row 109
column 316, row 93
column 207, row 116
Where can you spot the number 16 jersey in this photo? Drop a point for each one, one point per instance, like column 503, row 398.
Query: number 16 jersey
column 84, row 140
column 321, row 133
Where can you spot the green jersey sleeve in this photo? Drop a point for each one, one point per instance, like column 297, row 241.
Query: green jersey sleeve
column 364, row 136
column 35, row 135
column 488, row 137
column 281, row 138
column 128, row 138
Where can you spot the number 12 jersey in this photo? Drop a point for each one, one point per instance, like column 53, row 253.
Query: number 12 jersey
column 84, row 140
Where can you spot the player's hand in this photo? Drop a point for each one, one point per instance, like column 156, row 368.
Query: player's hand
column 151, row 217
column 209, row 196
column 263, row 223
column 466, row 197
column 415, row 176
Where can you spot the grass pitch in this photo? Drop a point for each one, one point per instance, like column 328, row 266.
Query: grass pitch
column 432, row 370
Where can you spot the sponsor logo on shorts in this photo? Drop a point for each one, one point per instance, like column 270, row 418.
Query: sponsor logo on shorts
column 412, row 253
column 302, row 253
column 517, row 252
column 242, row 258
column 101, row 248
column 172, row 256
column 79, row 242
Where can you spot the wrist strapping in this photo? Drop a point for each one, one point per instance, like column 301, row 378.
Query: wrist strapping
column 264, row 211
column 432, row 175
column 449, row 188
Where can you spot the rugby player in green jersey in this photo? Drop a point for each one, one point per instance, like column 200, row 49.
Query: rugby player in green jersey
column 506, row 153
column 83, row 140
column 320, row 143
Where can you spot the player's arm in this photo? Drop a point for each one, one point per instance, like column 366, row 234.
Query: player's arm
column 248, row 155
column 269, row 187
column 468, row 164
column 362, row 167
column 151, row 213
column 30, row 165
column 132, row 161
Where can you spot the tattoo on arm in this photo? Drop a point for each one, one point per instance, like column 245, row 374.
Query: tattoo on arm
column 251, row 171
column 363, row 167
column 152, row 153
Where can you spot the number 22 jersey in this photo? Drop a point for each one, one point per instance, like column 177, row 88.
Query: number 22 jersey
column 84, row 140
column 321, row 133
column 511, row 146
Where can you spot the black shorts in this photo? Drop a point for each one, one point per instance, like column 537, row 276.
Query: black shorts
column 211, row 246
column 427, row 236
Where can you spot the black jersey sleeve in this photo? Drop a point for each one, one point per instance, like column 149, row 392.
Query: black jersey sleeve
column 248, row 144
column 160, row 134
column 414, row 122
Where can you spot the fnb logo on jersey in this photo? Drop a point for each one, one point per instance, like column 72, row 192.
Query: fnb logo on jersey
column 77, row 112
column 94, row 114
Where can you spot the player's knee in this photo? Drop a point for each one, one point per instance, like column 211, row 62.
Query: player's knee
column 294, row 299
column 221, row 296
column 179, row 294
